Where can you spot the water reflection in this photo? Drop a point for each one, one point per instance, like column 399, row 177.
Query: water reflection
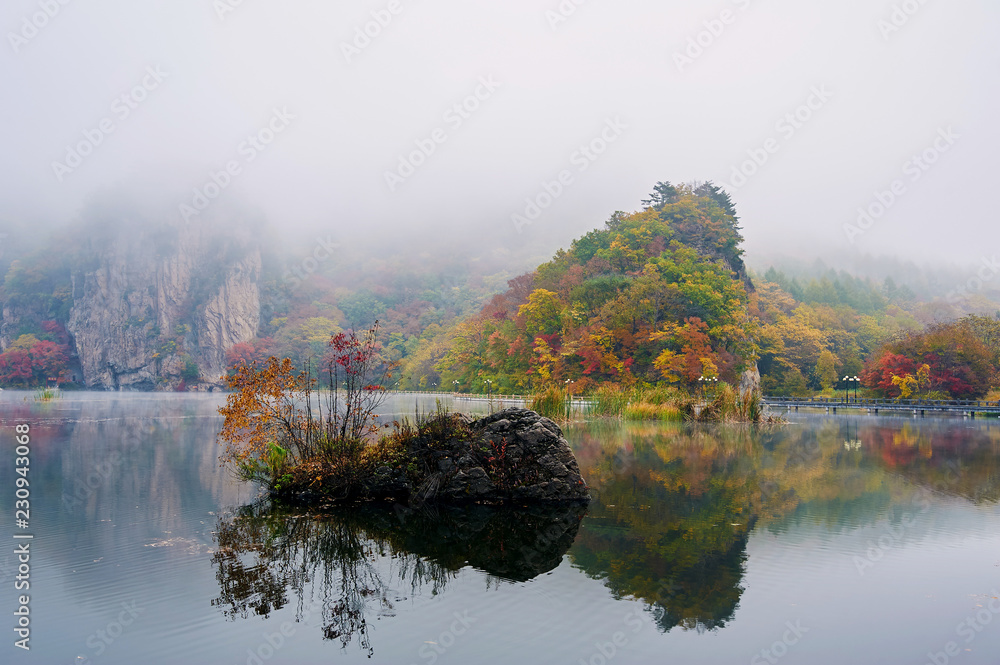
column 354, row 559
column 671, row 518
column 674, row 506
column 673, row 512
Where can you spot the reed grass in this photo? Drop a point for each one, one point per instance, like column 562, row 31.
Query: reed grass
column 552, row 403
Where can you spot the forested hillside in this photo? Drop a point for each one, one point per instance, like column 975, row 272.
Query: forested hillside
column 660, row 296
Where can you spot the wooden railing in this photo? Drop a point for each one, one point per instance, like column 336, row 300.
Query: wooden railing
column 887, row 404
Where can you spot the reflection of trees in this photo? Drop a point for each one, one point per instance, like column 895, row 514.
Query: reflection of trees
column 263, row 554
column 674, row 505
column 670, row 523
column 347, row 559
column 940, row 457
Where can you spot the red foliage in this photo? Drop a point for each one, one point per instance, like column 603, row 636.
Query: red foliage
column 961, row 365
column 15, row 366
column 249, row 353
column 44, row 360
column 878, row 374
column 48, row 359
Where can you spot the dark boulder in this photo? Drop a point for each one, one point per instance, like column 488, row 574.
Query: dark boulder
column 514, row 456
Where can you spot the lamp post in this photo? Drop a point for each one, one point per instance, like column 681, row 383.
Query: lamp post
column 704, row 381
column 455, row 383
column 489, row 389
column 847, row 388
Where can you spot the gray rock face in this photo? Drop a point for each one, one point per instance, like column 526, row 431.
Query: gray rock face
column 750, row 381
column 514, row 456
column 147, row 307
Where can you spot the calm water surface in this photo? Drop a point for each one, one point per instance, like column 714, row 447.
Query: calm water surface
column 831, row 540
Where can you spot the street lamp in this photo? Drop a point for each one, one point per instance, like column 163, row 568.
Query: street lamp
column 569, row 395
column 489, row 389
column 455, row 383
column 847, row 388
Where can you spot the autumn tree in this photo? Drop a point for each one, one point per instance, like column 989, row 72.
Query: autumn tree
column 826, row 369
column 278, row 415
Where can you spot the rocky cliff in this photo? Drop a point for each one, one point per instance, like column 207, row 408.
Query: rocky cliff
column 154, row 306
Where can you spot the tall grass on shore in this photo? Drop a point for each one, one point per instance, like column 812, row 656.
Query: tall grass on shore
column 731, row 405
column 552, row 403
column 650, row 403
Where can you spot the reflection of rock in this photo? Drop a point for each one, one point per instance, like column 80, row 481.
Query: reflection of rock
column 265, row 557
column 511, row 543
column 515, row 455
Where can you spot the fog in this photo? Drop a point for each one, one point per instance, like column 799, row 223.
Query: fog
column 516, row 124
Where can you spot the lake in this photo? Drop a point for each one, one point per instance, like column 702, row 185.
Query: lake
column 834, row 539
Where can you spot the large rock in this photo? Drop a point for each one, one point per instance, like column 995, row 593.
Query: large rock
column 514, row 456
column 148, row 301
column 750, row 381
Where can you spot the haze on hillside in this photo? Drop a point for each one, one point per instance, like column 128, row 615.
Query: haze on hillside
column 829, row 102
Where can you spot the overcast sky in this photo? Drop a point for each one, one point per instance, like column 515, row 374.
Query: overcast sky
column 658, row 90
